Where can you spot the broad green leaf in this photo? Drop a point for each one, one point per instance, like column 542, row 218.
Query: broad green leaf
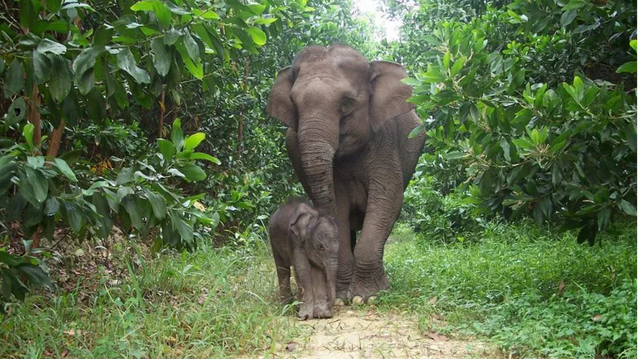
column 34, row 274
column 61, row 78
column 455, row 155
column 191, row 142
column 38, row 183
column 196, row 69
column 127, row 63
column 204, row 156
column 258, row 36
column 163, row 14
column 568, row 17
column 446, row 59
column 192, row 173
column 131, row 205
column 166, row 148
column 53, row 47
column 35, row 162
column 628, row 208
column 27, row 133
column 177, row 137
column 158, row 204
column 631, row 66
column 14, row 79
column 86, row 60
column 51, row 207
column 41, row 67
column 191, row 46
column 16, row 111
column 574, row 4
column 125, row 176
column 184, row 228
column 176, row 9
column 416, row 131
column 522, row 143
column 475, row 114
column 633, row 43
column 161, row 56
column 65, row 169
column 171, row 37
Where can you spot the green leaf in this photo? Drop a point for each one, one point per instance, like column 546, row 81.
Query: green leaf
column 51, row 206
column 258, row 36
column 171, row 37
column 158, row 204
column 16, row 111
column 184, row 228
column 125, row 176
column 35, row 162
column 192, row 173
column 446, row 59
column 34, row 274
column 628, row 208
column 475, row 114
column 433, row 75
column 176, row 134
column 53, row 47
column 631, row 66
column 14, row 79
column 86, row 60
column 161, row 56
column 131, row 205
column 65, row 169
column 61, row 78
column 166, row 148
column 41, row 67
column 506, row 148
column 191, row 142
column 127, row 63
column 455, row 155
column 574, row 4
column 196, row 69
column 38, row 183
column 191, row 46
column 27, row 133
column 523, row 143
column 204, row 156
column 416, row 131
column 568, row 17
column 159, row 8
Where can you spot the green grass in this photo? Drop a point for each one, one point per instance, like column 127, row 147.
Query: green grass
column 207, row 304
column 506, row 287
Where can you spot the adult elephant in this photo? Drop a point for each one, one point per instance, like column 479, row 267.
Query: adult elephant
column 348, row 141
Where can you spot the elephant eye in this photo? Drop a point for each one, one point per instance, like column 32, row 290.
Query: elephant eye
column 321, row 247
column 346, row 106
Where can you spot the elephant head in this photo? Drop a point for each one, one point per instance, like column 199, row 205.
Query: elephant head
column 317, row 234
column 336, row 101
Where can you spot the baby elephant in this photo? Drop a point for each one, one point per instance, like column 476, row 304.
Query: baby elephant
column 306, row 238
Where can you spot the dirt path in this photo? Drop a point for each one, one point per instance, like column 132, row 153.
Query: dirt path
column 361, row 334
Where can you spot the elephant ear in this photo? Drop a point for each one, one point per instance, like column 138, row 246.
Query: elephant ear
column 388, row 95
column 280, row 105
column 301, row 221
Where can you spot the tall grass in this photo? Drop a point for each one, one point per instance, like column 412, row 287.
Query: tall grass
column 531, row 291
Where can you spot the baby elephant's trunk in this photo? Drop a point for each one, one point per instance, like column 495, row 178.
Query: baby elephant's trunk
column 331, row 271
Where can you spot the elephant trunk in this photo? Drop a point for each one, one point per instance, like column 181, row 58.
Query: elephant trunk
column 331, row 271
column 316, row 153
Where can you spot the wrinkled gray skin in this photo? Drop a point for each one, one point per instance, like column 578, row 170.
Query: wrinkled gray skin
column 306, row 238
column 348, row 142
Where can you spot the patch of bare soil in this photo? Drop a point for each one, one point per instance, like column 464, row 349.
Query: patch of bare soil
column 358, row 334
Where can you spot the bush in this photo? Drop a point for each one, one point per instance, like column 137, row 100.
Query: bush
column 553, row 151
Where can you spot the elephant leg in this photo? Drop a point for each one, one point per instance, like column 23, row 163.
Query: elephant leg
column 284, row 282
column 354, row 235
column 302, row 270
column 345, row 254
column 383, row 207
column 322, row 307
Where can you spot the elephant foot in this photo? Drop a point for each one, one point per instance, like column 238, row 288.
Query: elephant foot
column 322, row 309
column 339, row 302
column 305, row 312
column 364, row 290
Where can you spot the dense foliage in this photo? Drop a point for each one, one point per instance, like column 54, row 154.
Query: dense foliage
column 530, row 106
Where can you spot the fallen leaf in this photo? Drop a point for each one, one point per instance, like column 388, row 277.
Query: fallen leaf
column 596, row 318
column 73, row 332
column 437, row 337
column 433, row 300
column 64, row 353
